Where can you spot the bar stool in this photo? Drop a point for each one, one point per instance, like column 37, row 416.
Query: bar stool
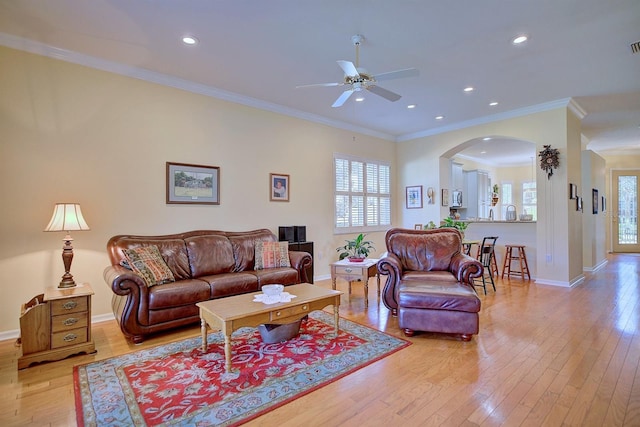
column 486, row 255
column 521, row 257
column 493, row 267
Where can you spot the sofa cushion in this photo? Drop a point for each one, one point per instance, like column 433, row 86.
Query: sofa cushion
column 437, row 296
column 279, row 276
column 223, row 285
column 209, row 255
column 244, row 244
column 148, row 263
column 176, row 294
column 271, row 255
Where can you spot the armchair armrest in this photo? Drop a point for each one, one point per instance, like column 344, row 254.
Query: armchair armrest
column 390, row 265
column 465, row 268
column 301, row 261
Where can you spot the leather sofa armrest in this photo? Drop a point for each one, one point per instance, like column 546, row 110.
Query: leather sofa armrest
column 131, row 286
column 301, row 261
column 465, row 268
column 390, row 265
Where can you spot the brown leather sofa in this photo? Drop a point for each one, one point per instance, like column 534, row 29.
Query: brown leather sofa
column 205, row 264
column 430, row 284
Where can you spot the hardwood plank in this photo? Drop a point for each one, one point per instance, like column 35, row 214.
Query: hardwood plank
column 544, row 356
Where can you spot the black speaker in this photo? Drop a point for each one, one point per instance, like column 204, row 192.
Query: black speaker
column 299, row 233
column 285, row 234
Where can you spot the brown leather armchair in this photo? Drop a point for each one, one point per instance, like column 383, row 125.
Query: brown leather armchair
column 430, row 283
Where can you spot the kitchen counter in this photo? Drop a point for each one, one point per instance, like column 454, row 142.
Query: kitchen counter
column 509, row 233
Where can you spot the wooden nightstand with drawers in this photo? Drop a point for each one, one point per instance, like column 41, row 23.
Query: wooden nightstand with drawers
column 56, row 325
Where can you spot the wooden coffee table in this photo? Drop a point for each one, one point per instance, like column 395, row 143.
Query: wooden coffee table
column 231, row 313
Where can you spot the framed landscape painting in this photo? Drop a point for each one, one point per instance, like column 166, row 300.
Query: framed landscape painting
column 193, row 184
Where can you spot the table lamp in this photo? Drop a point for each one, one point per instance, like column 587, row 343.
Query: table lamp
column 67, row 217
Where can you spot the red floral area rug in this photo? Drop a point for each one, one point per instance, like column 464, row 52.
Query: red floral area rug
column 178, row 384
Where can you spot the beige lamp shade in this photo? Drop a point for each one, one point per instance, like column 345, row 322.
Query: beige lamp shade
column 67, row 217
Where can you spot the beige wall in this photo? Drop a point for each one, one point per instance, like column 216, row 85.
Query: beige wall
column 593, row 225
column 75, row 134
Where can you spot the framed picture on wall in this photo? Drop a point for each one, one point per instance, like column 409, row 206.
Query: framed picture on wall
column 414, row 197
column 279, row 187
column 193, row 184
column 573, row 191
column 594, row 193
column 445, row 197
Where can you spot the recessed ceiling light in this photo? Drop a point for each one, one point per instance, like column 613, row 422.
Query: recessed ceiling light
column 410, row 106
column 486, row 138
column 493, row 104
column 483, row 152
column 439, row 117
column 359, row 99
column 520, row 39
column 468, row 89
column 190, row 40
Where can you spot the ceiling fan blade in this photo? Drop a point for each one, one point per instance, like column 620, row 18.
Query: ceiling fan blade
column 398, row 74
column 342, row 98
column 321, row 84
column 348, row 68
column 386, row 94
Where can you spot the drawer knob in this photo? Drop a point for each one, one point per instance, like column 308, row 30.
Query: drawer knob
column 278, row 313
column 70, row 337
column 348, row 270
column 70, row 305
column 70, row 321
column 305, row 307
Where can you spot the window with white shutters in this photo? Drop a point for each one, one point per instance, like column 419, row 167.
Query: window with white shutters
column 362, row 195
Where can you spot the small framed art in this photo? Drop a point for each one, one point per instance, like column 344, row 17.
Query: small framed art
column 414, row 197
column 193, row 184
column 573, row 191
column 279, row 187
column 445, row 197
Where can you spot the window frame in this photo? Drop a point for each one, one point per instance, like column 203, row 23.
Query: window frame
column 377, row 196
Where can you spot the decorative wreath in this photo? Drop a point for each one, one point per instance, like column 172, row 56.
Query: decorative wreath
column 549, row 160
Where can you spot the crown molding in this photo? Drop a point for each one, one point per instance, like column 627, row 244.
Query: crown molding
column 561, row 103
column 31, row 46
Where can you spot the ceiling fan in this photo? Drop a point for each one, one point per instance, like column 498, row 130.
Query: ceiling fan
column 358, row 78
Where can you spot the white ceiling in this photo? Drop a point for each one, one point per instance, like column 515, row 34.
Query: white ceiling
column 256, row 52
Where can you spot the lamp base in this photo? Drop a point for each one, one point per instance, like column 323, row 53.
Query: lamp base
column 67, row 281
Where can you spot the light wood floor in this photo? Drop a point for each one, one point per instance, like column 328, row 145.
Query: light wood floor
column 544, row 356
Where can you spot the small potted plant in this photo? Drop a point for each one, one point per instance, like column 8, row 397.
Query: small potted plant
column 494, row 196
column 461, row 226
column 356, row 250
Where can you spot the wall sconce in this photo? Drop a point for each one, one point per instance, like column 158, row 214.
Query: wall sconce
column 67, row 217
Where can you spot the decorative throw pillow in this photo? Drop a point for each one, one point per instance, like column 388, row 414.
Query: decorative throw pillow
column 271, row 255
column 148, row 262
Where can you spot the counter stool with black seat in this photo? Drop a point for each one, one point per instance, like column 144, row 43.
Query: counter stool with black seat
column 487, row 258
column 520, row 256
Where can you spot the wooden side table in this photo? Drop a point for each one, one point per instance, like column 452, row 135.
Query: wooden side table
column 352, row 271
column 56, row 325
